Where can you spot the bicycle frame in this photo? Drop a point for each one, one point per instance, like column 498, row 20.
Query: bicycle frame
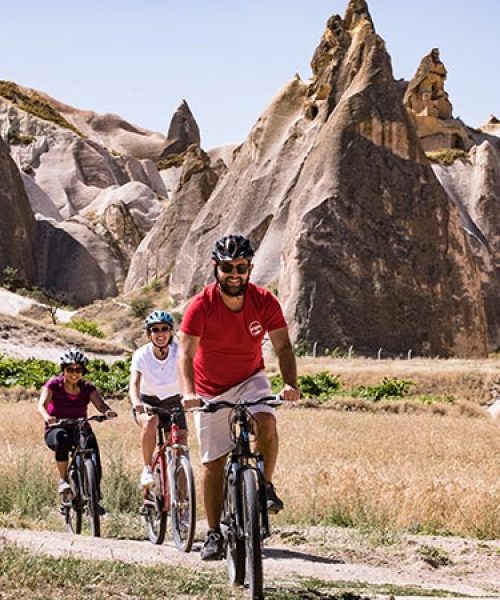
column 167, row 443
column 243, row 457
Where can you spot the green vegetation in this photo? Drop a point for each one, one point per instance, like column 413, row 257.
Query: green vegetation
column 34, row 104
column 323, row 386
column 84, row 326
column 29, row 373
column 435, row 557
column 11, row 280
column 447, row 156
column 389, row 387
column 140, row 307
column 34, row 372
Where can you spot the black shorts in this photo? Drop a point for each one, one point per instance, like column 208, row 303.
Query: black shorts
column 170, row 402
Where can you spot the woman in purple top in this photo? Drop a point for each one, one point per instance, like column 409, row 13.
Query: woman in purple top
column 67, row 396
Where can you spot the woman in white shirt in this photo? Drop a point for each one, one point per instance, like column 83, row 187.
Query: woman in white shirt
column 154, row 382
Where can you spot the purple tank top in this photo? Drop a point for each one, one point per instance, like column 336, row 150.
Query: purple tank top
column 64, row 405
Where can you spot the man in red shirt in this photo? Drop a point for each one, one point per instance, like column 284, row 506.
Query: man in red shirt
column 221, row 358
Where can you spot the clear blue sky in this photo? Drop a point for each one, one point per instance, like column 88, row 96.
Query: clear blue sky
column 228, row 58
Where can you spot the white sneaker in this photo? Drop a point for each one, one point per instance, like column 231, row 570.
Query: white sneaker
column 147, row 479
column 64, row 487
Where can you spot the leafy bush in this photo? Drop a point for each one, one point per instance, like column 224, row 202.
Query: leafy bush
column 11, row 279
column 321, row 386
column 32, row 372
column 388, row 387
column 84, row 326
column 447, row 156
column 109, row 379
column 140, row 307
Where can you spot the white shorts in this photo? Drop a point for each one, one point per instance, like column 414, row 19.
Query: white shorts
column 213, row 430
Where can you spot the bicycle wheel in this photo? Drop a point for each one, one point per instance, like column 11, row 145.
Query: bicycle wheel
column 183, row 503
column 235, row 545
column 92, row 497
column 156, row 516
column 251, row 524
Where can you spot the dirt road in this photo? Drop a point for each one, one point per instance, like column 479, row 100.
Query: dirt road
column 471, row 568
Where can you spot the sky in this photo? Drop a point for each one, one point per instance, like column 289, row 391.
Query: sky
column 229, row 58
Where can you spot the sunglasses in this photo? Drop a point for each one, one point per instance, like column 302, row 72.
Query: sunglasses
column 74, row 370
column 160, row 329
column 228, row 268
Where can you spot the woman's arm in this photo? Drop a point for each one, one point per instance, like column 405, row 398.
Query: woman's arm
column 43, row 402
column 98, row 402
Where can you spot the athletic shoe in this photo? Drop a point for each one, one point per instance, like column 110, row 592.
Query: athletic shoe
column 147, row 479
column 213, row 546
column 274, row 503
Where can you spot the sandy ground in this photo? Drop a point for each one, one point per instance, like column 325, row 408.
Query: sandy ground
column 473, row 569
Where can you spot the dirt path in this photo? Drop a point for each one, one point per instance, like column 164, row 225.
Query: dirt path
column 473, row 568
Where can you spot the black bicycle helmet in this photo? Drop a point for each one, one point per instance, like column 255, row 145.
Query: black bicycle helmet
column 231, row 247
column 73, row 356
column 158, row 316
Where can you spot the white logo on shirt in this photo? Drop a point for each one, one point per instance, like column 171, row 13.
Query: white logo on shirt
column 255, row 328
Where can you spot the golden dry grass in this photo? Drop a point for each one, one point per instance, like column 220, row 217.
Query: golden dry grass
column 420, row 473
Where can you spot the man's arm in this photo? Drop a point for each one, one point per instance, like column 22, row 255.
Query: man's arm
column 187, row 349
column 286, row 359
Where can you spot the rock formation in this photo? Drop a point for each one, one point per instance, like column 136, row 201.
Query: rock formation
column 182, row 133
column 333, row 186
column 158, row 252
column 474, row 186
column 428, row 103
column 17, row 224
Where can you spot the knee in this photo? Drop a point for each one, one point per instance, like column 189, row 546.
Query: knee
column 266, row 427
column 149, row 426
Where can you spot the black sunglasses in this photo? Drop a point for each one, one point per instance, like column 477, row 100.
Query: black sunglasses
column 74, row 370
column 228, row 268
column 160, row 329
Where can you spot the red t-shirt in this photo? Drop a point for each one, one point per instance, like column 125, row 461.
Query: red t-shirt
column 230, row 347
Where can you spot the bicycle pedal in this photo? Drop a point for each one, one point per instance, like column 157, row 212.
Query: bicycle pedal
column 145, row 510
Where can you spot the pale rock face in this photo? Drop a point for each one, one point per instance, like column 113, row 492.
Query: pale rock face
column 474, row 186
column 17, row 223
column 126, row 213
column 40, row 202
column 75, row 264
column 334, row 187
column 158, row 251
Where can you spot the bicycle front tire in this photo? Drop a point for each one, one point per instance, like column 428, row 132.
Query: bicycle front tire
column 235, row 544
column 183, row 503
column 92, row 498
column 73, row 514
column 251, row 524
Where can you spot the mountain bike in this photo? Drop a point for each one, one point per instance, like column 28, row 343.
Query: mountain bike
column 245, row 518
column 82, row 475
column 173, row 491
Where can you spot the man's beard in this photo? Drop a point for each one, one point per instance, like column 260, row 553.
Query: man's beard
column 232, row 291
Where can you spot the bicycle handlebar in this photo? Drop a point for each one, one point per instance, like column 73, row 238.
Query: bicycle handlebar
column 80, row 420
column 158, row 410
column 211, row 407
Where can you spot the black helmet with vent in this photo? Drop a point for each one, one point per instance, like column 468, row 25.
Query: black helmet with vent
column 231, row 247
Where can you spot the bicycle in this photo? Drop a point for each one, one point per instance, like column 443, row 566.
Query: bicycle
column 82, row 475
column 174, row 490
column 245, row 518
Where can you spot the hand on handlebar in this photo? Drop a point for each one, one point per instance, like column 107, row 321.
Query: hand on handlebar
column 51, row 421
column 110, row 414
column 289, row 393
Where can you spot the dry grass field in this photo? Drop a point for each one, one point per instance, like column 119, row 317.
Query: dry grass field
column 416, row 472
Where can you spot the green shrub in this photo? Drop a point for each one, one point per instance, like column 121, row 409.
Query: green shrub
column 388, row 387
column 140, row 307
column 109, row 379
column 84, row 326
column 321, row 386
column 11, row 279
column 31, row 372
